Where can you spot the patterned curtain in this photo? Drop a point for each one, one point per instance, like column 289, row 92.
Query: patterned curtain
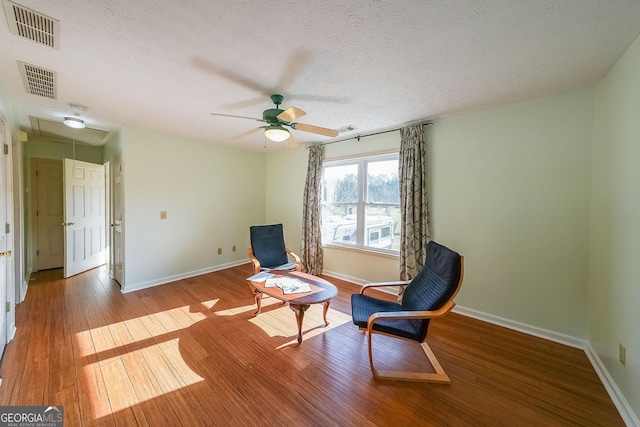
column 311, row 247
column 415, row 229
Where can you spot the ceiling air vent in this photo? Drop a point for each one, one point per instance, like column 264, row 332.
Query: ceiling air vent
column 347, row 128
column 38, row 81
column 30, row 24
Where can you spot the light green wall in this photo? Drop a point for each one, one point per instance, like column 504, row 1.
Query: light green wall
column 286, row 172
column 211, row 194
column 44, row 149
column 614, row 287
column 114, row 146
column 510, row 190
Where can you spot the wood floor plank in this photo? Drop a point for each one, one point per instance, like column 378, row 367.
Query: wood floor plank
column 193, row 353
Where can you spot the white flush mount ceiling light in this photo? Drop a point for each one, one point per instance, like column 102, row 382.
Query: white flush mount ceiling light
column 74, row 122
column 276, row 133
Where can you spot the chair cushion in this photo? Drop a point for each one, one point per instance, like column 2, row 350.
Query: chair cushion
column 436, row 282
column 267, row 243
column 429, row 290
column 363, row 306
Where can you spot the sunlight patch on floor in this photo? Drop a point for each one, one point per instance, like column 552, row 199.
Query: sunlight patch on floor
column 137, row 359
column 281, row 321
column 137, row 376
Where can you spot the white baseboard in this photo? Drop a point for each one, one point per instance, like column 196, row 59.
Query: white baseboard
column 547, row 334
column 625, row 410
column 620, row 402
column 169, row 279
column 389, row 290
column 25, row 286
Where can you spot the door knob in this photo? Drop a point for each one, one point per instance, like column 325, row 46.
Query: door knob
column 5, row 253
column 68, row 223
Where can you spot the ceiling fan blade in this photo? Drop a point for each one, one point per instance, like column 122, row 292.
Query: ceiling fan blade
column 315, row 129
column 290, row 114
column 247, row 133
column 291, row 142
column 237, row 117
column 233, row 76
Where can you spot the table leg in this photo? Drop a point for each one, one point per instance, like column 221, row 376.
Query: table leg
column 324, row 313
column 299, row 310
column 258, row 295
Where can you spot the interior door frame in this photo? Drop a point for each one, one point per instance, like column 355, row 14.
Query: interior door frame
column 33, row 201
column 116, row 224
column 8, row 293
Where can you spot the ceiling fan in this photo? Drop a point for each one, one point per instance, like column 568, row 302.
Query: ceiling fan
column 278, row 120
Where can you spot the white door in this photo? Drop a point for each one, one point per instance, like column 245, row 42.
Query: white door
column 5, row 246
column 49, row 215
column 116, row 221
column 84, row 213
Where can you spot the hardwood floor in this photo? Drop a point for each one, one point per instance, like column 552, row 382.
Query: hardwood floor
column 191, row 353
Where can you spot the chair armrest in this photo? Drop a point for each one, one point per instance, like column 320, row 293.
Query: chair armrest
column 296, row 259
column 256, row 263
column 383, row 284
column 408, row 315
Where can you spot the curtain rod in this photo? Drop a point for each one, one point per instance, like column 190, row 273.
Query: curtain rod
column 358, row 137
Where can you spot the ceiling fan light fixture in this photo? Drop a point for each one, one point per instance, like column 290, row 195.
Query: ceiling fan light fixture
column 73, row 122
column 276, row 133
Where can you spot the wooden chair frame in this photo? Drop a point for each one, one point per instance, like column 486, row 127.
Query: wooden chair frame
column 256, row 263
column 439, row 376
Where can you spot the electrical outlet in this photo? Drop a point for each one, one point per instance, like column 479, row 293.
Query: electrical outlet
column 233, row 249
column 219, row 251
column 163, row 214
column 622, row 352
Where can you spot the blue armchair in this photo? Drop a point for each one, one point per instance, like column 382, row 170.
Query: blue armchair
column 429, row 295
column 268, row 250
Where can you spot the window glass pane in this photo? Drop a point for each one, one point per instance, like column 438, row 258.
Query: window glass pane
column 340, row 184
column 382, row 227
column 370, row 220
column 382, row 182
column 339, row 223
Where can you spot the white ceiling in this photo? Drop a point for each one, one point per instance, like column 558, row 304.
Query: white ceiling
column 374, row 64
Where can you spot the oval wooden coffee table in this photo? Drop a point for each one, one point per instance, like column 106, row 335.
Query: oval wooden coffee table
column 321, row 292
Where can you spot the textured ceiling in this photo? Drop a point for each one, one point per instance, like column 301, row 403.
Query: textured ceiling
column 372, row 64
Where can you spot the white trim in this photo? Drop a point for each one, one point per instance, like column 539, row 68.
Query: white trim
column 344, row 277
column 523, row 327
column 389, row 290
column 625, row 410
column 368, row 250
column 620, row 402
column 25, row 286
column 169, row 279
column 12, row 332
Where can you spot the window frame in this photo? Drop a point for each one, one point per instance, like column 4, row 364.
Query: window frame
column 362, row 203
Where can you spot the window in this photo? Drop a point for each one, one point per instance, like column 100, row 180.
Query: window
column 361, row 203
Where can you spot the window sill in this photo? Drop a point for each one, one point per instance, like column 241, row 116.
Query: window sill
column 382, row 254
